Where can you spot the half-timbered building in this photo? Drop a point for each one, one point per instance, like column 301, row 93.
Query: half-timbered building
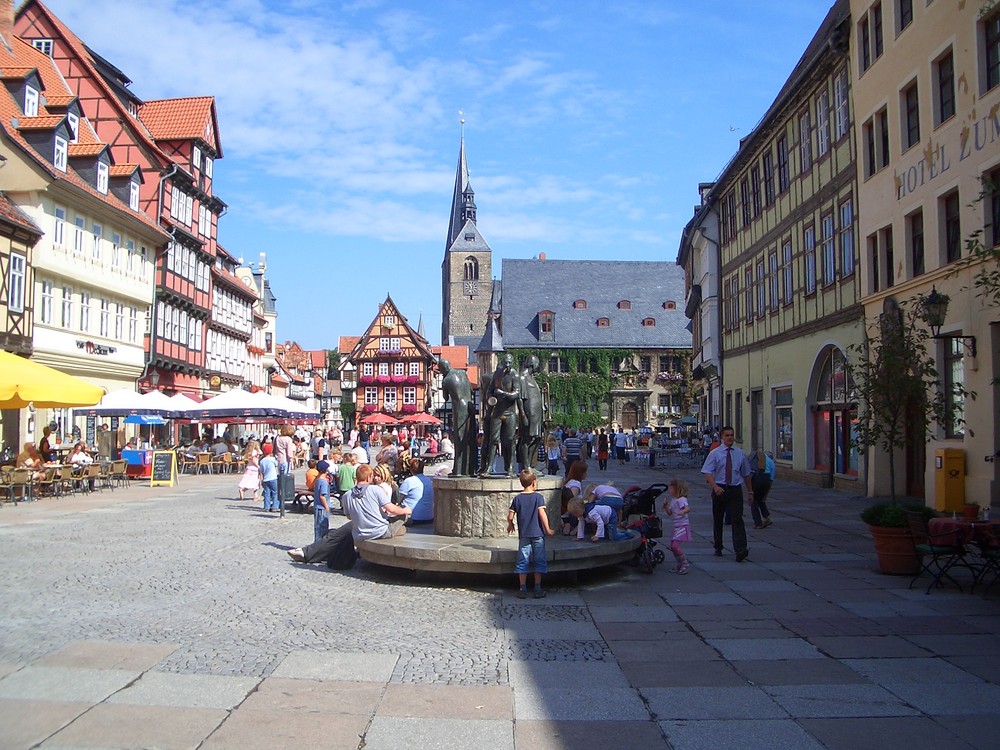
column 394, row 365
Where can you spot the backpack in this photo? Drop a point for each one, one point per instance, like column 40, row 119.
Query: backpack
column 343, row 555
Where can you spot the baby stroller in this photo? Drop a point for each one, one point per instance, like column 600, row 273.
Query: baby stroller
column 641, row 503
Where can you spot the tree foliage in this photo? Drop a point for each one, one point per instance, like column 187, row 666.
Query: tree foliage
column 896, row 384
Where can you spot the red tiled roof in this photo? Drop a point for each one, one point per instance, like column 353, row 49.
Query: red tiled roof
column 319, row 359
column 57, row 100
column 86, row 149
column 179, row 119
column 14, row 73
column 10, row 213
column 347, row 343
column 122, row 170
column 10, row 112
column 276, row 379
column 43, row 122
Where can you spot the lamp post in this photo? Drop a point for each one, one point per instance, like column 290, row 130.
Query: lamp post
column 933, row 310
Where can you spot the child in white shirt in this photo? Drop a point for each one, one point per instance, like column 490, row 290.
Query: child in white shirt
column 601, row 515
column 676, row 506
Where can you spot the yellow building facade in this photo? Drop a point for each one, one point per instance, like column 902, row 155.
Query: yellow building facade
column 926, row 97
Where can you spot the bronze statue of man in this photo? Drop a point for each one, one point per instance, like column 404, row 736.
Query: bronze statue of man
column 532, row 414
column 501, row 419
column 457, row 388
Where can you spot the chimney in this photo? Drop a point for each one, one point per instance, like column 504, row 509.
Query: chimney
column 541, row 256
column 7, row 20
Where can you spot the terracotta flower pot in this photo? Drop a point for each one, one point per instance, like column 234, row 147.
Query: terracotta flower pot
column 894, row 549
column 971, row 511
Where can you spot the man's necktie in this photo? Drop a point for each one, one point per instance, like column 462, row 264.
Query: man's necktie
column 729, row 466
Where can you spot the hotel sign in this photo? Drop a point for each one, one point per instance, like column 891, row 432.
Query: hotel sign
column 937, row 158
column 91, row 348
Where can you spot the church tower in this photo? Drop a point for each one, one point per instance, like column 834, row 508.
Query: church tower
column 467, row 270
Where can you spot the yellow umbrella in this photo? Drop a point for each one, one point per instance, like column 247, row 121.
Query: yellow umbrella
column 23, row 381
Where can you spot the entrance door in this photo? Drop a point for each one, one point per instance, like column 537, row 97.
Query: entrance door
column 630, row 416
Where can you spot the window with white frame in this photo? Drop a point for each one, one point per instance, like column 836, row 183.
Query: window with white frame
column 67, row 307
column 841, row 103
column 773, row 280
column 119, row 321
column 105, row 319
column 196, row 157
column 389, row 344
column 133, row 195
column 43, row 45
column 15, row 282
column 368, row 369
column 30, row 102
column 389, row 398
column 208, row 166
column 133, row 325
column 78, row 231
column 823, row 123
column 399, row 369
column 60, row 154
column 748, row 291
column 409, row 395
column 761, row 289
column 116, row 250
column 371, row 395
column 809, row 258
column 829, row 253
column 102, row 178
column 388, row 320
column 204, row 221
column 805, row 141
column 95, row 249
column 59, row 235
column 85, row 312
column 383, row 369
column 73, row 121
column 130, row 252
column 846, row 239
column 414, row 369
column 45, row 311
column 786, row 272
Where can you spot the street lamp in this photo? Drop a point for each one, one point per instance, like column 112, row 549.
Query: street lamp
column 933, row 310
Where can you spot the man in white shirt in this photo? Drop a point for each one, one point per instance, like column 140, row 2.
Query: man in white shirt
column 360, row 451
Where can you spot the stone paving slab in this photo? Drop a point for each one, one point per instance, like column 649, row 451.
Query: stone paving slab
column 655, row 674
column 569, row 703
column 186, row 690
column 711, row 703
column 537, row 629
column 945, row 700
column 912, row 732
column 978, row 732
column 691, row 649
column 817, row 701
column 104, row 655
column 65, row 683
column 312, row 696
column 653, row 613
column 582, row 733
column 769, row 734
column 353, row 667
column 478, row 703
column 392, row 733
column 797, row 672
column 120, row 726
column 745, row 649
column 26, row 723
column 560, row 674
column 931, row 670
column 270, row 730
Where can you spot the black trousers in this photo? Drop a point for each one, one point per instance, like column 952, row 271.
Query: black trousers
column 730, row 501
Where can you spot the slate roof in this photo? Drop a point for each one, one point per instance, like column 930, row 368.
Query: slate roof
column 531, row 286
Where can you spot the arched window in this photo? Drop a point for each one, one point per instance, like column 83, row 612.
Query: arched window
column 471, row 269
column 669, row 305
column 649, row 322
column 580, row 304
column 603, row 323
column 835, row 414
column 625, row 305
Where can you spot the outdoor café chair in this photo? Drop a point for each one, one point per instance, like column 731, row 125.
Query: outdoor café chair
column 187, row 462
column 218, row 463
column 935, row 557
column 119, row 472
column 7, row 486
column 49, row 484
column 203, row 463
column 20, row 480
column 105, row 475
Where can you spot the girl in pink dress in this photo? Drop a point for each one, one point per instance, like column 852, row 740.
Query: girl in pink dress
column 676, row 506
column 251, row 477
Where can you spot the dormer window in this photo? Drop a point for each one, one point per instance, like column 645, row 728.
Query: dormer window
column 133, row 195
column 60, row 153
column 30, row 102
column 649, row 322
column 603, row 323
column 625, row 305
column 669, row 305
column 580, row 304
column 546, row 323
column 73, row 120
column 102, row 178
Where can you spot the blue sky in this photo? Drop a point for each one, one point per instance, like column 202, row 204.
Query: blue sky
column 588, row 127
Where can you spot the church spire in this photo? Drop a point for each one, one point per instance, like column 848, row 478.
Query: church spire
column 463, row 200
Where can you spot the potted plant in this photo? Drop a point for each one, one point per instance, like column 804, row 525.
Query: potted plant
column 893, row 546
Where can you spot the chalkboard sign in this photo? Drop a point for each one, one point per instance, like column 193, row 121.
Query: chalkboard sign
column 164, row 469
column 91, row 429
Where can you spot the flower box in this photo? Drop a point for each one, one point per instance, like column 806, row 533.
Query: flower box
column 384, row 379
column 369, row 408
column 399, row 379
column 409, row 408
column 366, row 379
column 412, row 380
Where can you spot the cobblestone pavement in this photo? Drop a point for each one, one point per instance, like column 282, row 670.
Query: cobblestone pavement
column 123, row 607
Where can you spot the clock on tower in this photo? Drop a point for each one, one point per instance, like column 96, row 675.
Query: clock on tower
column 472, row 288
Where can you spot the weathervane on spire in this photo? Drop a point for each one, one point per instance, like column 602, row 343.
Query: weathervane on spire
column 461, row 115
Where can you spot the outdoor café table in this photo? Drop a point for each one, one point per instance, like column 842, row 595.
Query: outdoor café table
column 960, row 531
